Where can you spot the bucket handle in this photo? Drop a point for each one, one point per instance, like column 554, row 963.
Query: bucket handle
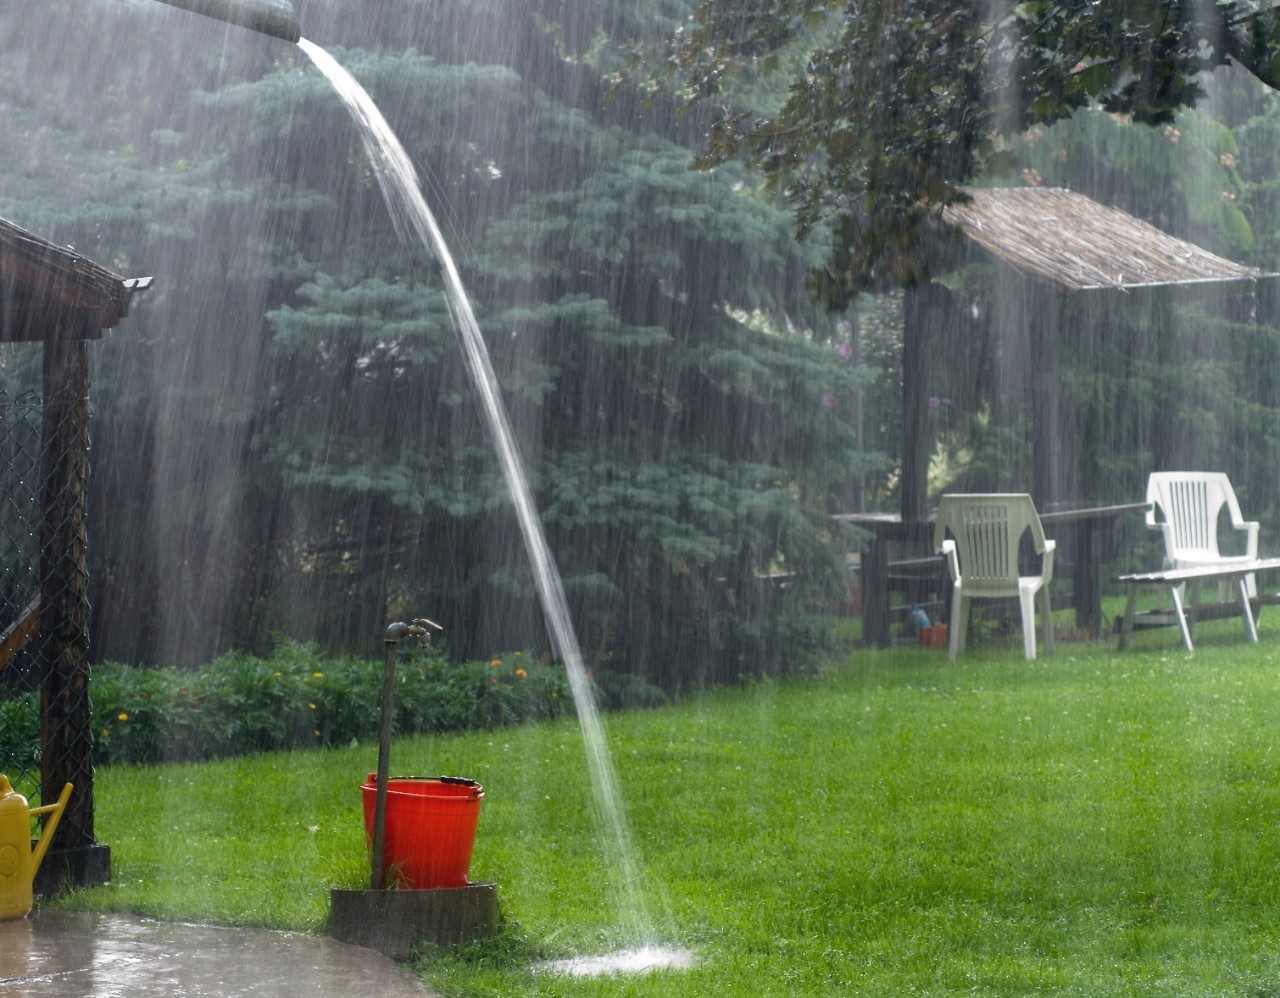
column 461, row 781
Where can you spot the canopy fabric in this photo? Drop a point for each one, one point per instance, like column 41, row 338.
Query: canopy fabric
column 39, row 279
column 1076, row 244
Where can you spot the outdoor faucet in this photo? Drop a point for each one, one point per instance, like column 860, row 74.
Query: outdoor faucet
column 420, row 628
column 269, row 17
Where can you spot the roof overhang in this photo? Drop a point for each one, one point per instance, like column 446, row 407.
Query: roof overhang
column 1075, row 244
column 45, row 287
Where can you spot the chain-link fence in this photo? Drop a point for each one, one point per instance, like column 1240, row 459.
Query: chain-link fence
column 45, row 735
column 20, row 590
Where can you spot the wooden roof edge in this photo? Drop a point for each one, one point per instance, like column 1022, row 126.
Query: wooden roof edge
column 988, row 219
column 50, row 276
column 1136, row 286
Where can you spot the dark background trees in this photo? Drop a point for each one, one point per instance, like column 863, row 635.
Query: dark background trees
column 284, row 436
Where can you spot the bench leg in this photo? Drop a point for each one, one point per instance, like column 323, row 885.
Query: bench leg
column 1126, row 631
column 1175, row 593
column 1246, row 611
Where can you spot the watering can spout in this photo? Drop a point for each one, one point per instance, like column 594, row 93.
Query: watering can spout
column 55, row 815
column 269, row 17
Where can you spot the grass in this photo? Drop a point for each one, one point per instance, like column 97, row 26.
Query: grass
column 1089, row 824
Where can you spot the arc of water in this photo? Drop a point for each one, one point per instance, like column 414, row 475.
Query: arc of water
column 410, row 214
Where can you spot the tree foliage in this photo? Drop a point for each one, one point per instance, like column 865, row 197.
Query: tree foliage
column 891, row 104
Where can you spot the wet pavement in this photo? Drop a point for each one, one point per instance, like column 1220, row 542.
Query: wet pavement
column 57, row 954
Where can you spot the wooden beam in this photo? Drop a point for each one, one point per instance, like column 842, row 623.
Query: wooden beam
column 20, row 632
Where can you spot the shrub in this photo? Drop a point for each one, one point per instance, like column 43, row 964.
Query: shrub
column 296, row 699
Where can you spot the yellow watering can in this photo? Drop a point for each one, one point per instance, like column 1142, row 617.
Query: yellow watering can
column 18, row 861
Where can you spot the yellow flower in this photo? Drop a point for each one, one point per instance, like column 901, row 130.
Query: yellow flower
column 317, row 674
column 123, row 716
column 312, row 706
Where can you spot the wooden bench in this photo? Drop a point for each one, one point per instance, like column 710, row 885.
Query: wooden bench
column 1184, row 616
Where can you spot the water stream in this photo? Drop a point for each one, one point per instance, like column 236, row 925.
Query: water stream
column 412, row 217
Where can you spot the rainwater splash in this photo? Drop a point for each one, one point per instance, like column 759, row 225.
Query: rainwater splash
column 411, row 216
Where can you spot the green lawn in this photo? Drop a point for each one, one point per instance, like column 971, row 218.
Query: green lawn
column 1091, row 823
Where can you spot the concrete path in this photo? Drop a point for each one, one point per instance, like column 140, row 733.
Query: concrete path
column 55, row 954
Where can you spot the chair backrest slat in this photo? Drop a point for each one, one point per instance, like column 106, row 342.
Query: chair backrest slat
column 1189, row 514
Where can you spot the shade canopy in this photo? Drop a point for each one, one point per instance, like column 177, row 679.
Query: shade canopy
column 1060, row 242
column 1073, row 243
column 42, row 285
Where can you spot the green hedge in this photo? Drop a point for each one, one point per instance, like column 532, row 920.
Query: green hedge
column 298, row 699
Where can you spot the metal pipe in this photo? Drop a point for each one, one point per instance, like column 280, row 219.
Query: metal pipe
column 377, row 876
column 421, row 629
column 269, row 17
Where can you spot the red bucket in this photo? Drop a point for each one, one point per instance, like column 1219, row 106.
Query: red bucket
column 429, row 829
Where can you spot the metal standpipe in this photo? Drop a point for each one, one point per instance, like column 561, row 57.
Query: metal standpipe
column 395, row 921
column 267, row 17
column 419, row 628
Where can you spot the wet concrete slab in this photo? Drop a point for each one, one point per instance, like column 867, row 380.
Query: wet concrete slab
column 56, row 954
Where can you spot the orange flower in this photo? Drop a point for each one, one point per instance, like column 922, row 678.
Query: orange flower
column 521, row 673
column 496, row 661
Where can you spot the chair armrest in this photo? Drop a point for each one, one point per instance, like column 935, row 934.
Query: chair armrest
column 1238, row 522
column 1047, row 565
column 1251, row 538
column 948, row 551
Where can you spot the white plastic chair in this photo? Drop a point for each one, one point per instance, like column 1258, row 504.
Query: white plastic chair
column 982, row 557
column 1188, row 504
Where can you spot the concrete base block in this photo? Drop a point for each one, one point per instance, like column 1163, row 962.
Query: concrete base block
column 391, row 921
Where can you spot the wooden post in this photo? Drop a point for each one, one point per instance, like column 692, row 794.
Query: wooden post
column 65, row 734
column 1042, row 327
column 915, row 408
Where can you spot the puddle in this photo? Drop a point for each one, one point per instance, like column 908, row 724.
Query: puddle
column 55, row 954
